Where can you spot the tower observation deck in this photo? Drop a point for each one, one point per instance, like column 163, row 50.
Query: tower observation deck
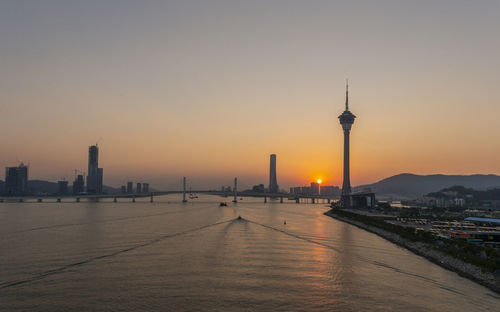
column 346, row 120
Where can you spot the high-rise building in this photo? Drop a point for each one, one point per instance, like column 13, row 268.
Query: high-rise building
column 138, row 189
column 329, row 190
column 78, row 185
column 99, row 180
column 62, row 187
column 123, row 189
column 259, row 188
column 314, row 188
column 130, row 187
column 346, row 120
column 145, row 188
column 95, row 174
column 16, row 180
column 273, row 182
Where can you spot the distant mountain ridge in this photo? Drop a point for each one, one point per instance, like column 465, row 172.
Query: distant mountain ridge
column 42, row 186
column 407, row 185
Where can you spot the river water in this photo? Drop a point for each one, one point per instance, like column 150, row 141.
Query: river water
column 197, row 256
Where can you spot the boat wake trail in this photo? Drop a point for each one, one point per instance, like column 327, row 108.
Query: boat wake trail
column 376, row 263
column 48, row 227
column 61, row 269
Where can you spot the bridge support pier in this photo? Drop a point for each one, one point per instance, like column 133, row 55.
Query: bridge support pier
column 133, row 199
column 78, row 199
column 297, row 200
column 235, row 190
column 328, row 200
column 281, row 199
column 58, row 200
column 184, row 190
column 115, row 200
column 39, row 200
column 313, row 200
column 21, row 200
column 265, row 199
column 151, row 199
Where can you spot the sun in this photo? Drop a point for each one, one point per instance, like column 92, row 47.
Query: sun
column 319, row 181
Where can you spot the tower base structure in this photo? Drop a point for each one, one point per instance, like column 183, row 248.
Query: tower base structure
column 346, row 201
column 364, row 200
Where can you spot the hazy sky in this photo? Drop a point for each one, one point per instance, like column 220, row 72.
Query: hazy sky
column 208, row 89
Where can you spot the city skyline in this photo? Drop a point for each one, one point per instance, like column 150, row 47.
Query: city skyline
column 244, row 90
column 256, row 155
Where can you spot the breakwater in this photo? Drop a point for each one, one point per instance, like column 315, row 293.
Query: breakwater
column 470, row 271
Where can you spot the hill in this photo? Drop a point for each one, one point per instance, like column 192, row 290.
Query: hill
column 407, row 185
column 42, row 186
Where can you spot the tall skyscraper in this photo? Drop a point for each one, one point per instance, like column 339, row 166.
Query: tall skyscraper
column 95, row 174
column 78, row 185
column 138, row 189
column 130, row 187
column 16, row 180
column 314, row 188
column 62, row 187
column 346, row 120
column 273, row 181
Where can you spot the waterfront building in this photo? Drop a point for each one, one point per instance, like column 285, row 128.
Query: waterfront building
column 123, row 189
column 346, row 120
column 130, row 187
column 259, row 188
column 145, row 188
column 273, row 181
column 78, row 185
column 62, row 187
column 329, row 190
column 138, row 189
column 314, row 189
column 95, row 174
column 16, row 180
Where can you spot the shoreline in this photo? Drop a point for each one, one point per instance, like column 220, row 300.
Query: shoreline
column 437, row 257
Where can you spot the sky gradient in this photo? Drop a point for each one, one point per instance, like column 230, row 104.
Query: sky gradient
column 208, row 89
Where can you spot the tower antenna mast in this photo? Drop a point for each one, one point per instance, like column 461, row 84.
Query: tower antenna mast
column 346, row 94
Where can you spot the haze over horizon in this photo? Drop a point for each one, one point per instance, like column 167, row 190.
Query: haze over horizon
column 208, row 90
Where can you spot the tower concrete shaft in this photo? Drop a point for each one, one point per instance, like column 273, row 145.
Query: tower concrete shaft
column 184, row 190
column 273, row 181
column 346, row 120
column 346, row 184
column 235, row 190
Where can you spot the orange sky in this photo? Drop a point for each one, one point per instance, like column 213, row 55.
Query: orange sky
column 209, row 91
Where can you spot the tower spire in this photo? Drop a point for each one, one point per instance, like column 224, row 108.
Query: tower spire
column 346, row 95
column 346, row 120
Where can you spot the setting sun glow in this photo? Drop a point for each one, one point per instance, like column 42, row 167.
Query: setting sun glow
column 319, row 181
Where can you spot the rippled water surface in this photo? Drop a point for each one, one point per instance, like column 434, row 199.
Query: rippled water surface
column 169, row 256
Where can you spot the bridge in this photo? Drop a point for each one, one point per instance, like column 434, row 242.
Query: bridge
column 235, row 194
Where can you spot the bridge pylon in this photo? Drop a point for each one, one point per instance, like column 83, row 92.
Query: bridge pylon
column 184, row 190
column 235, row 190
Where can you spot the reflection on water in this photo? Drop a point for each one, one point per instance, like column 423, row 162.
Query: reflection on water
column 199, row 256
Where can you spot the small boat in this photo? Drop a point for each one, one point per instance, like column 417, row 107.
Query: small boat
column 222, row 204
